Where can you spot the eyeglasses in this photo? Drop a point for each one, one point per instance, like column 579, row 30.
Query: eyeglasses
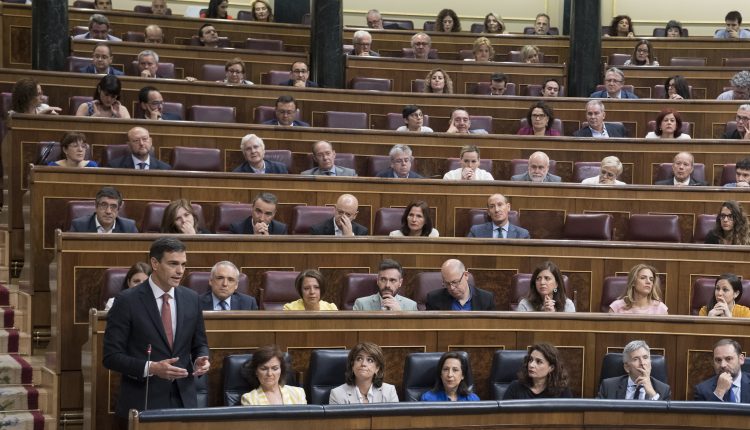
column 538, row 115
column 421, row 43
column 739, row 118
column 725, row 216
column 642, row 51
column 104, row 206
column 454, row 284
column 607, row 174
column 612, row 81
column 235, row 71
column 156, row 103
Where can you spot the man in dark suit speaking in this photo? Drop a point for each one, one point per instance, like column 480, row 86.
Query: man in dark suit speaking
column 638, row 383
column 155, row 336
column 224, row 280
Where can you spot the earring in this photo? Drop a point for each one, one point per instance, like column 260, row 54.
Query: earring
column 555, row 290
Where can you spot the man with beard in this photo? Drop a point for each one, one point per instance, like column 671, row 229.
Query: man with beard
column 390, row 278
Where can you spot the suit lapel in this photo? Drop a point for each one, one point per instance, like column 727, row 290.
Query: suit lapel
column 152, row 310
column 181, row 303
column 745, row 388
column 622, row 388
column 92, row 223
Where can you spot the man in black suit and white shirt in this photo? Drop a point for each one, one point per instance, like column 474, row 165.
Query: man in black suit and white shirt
column 342, row 223
column 254, row 151
column 105, row 219
column 596, row 127
column 457, row 294
column 637, row 383
column 683, row 165
column 140, row 144
column 401, row 162
column 261, row 219
column 223, row 296
column 730, row 384
column 498, row 209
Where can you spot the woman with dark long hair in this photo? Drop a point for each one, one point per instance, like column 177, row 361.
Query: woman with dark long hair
column 731, row 226
column 547, row 291
column 541, row 376
column 416, row 221
column 723, row 303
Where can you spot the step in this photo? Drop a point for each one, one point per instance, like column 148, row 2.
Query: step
column 14, row 342
column 21, row 398
column 27, row 420
column 16, row 373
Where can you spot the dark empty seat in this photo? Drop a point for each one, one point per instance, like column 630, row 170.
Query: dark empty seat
column 262, row 114
column 586, row 169
column 465, row 54
column 417, row 85
column 75, row 64
column 481, row 122
column 356, row 285
column 75, row 101
column 235, row 385
column 304, row 217
column 654, row 228
column 703, row 290
column 612, row 289
column 198, row 282
column 245, row 15
column 325, row 372
column 50, row 151
column 556, row 125
column 283, row 156
column 213, row 72
column 728, row 174
column 612, row 367
column 264, row 44
column 114, row 282
column 428, row 26
column 703, row 224
column 420, row 371
column 277, row 289
column 736, row 62
column 505, row 366
column 616, row 59
column 664, row 171
column 200, row 159
column 424, row 282
column 398, row 24
column 113, row 152
column 409, row 53
column 371, row 84
column 224, row 114
column 377, row 163
column 588, row 227
column 356, row 120
column 165, row 70
column 274, row 77
column 228, row 213
column 687, row 61
column 387, row 220
column 134, row 36
column 76, row 209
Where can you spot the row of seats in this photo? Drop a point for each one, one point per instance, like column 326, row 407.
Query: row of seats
column 619, row 59
column 224, row 42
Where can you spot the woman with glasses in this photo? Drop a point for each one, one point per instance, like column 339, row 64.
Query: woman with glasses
column 731, row 226
column 235, row 72
column 106, row 103
column 73, row 147
column 539, row 120
column 643, row 293
column 546, row 291
column 668, row 126
column 416, row 221
column 676, row 88
column 469, row 170
column 611, row 169
column 643, row 55
column 723, row 302
column 413, row 120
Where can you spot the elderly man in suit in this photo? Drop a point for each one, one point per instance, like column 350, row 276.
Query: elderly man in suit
column 637, row 383
column 342, row 223
column 498, row 208
column 140, row 145
column 223, row 296
column 595, row 125
column 457, row 294
column 614, row 80
column 538, row 170
column 730, row 384
column 401, row 162
column 682, row 172
column 390, row 278
column 286, row 112
column 254, row 150
column 325, row 156
column 156, row 338
column 105, row 218
column 261, row 219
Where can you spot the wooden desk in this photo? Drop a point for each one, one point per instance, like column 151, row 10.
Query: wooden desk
column 714, row 50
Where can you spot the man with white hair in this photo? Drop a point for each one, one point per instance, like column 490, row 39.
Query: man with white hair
column 421, row 43
column 743, row 124
column 374, row 19
column 224, row 280
column 683, row 165
column 254, row 150
column 148, row 64
column 538, row 170
column 401, row 162
column 637, row 383
column 595, row 125
column 740, row 87
column 362, row 41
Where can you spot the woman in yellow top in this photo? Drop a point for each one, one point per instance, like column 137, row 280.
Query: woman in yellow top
column 311, row 286
column 723, row 303
column 267, row 371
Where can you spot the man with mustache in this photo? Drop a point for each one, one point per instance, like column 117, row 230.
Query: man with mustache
column 390, row 278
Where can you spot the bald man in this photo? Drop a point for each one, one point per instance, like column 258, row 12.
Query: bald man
column 139, row 158
column 682, row 172
column 538, row 170
column 457, row 294
column 342, row 223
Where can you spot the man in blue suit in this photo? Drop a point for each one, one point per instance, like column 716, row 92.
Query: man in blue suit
column 401, row 162
column 730, row 384
column 140, row 145
column 286, row 112
column 152, row 105
column 261, row 219
column 299, row 76
column 223, row 296
column 254, row 151
column 101, row 61
column 105, row 219
column 595, row 125
column 498, row 208
column 614, row 80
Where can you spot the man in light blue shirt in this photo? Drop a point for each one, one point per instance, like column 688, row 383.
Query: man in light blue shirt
column 733, row 21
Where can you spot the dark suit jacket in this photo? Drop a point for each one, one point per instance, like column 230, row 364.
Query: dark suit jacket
column 87, row 224
column 133, row 324
column 246, row 227
column 705, row 390
column 238, row 302
column 308, row 83
column 91, row 69
column 440, row 300
column 613, row 130
column 670, row 181
column 326, row 228
column 388, row 173
column 603, row 95
column 167, row 116
column 617, row 387
column 525, row 177
column 485, row 230
column 126, row 162
column 271, row 167
column 733, row 135
column 294, row 123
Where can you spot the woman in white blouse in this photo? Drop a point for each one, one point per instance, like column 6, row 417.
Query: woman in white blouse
column 611, row 169
column 416, row 221
column 469, row 169
column 668, row 126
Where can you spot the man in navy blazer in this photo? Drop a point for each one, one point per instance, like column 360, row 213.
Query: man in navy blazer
column 730, row 384
column 152, row 105
column 105, row 219
column 101, row 61
column 156, row 338
column 286, row 112
column 261, row 219
column 223, row 296
column 596, row 127
column 498, row 208
column 538, row 170
column 254, row 150
column 637, row 383
column 614, row 80
column 401, row 162
column 140, row 145
column 342, row 223
column 299, row 76
column 457, row 294
column 683, row 165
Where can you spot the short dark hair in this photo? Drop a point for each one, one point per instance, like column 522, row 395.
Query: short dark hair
column 297, row 62
column 463, row 386
column 373, row 351
column 389, row 263
column 165, row 244
column 310, row 273
column 103, row 44
column 548, row 80
column 144, row 92
column 286, row 99
column 547, row 111
column 409, row 109
column 673, row 24
column 110, row 85
column 200, row 30
column 70, row 137
column 743, row 164
column 660, row 118
column 734, row 16
column 260, row 357
column 427, row 227
column 266, row 197
column 139, row 267
column 499, row 77
column 734, row 343
column 109, row 192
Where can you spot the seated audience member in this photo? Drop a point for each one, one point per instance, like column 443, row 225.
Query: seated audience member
column 73, row 146
column 325, row 157
column 731, row 226
column 103, row 4
column 538, row 170
column 180, row 218
column 541, row 24
column 365, row 371
column 98, row 29
column 677, row 88
column 643, row 55
column 208, row 36
column 743, row 124
column 498, row 208
column 546, row 291
column 106, row 103
column 27, row 98
column 469, row 170
column 262, row 11
column 390, row 279
column 551, row 88
column 637, row 383
column 286, row 111
column 101, row 61
column 159, row 7
column 740, row 87
column 310, row 285
column 723, row 303
column 224, row 280
column 595, row 125
column 668, row 126
column 266, row 373
column 342, row 223
column 483, row 50
column 421, row 43
column 105, row 219
column 621, row 26
column 413, row 120
column 741, row 174
column 148, row 64
column 439, row 82
column 730, row 384
column 447, row 22
column 401, row 162
column 140, row 145
column 254, row 150
column 362, row 41
column 673, row 28
column 416, row 221
column 493, row 24
column 461, row 123
column 457, row 294
column 374, row 19
column 529, row 54
column 614, row 80
column 541, row 376
column 611, row 170
column 154, row 34
column 152, row 104
column 234, row 70
column 217, row 9
column 539, row 118
column 643, row 293
column 498, row 84
column 261, row 220
column 299, row 76
column 450, row 381
column 682, row 171
column 733, row 20
column 137, row 274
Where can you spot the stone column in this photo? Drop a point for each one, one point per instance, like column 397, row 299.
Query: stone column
column 50, row 39
column 326, row 46
column 290, row 11
column 584, row 66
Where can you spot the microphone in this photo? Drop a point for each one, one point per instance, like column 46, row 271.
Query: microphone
column 45, row 153
column 148, row 377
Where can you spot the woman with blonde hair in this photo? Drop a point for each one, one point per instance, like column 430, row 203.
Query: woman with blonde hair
column 529, row 54
column 643, row 294
column 438, row 81
column 483, row 50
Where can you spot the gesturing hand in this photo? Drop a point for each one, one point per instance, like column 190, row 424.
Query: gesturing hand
column 165, row 370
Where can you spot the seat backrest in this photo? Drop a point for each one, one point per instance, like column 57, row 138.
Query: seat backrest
column 84, row 4
column 420, row 370
column 113, row 152
column 588, row 227
column 428, row 26
column 417, row 85
column 377, row 163
column 398, row 24
column 612, row 289
column 245, row 15
column 223, row 114
column 283, row 156
column 728, row 174
column 465, row 54
column 235, row 385
column 687, row 61
column 520, row 284
column 76, row 209
column 520, row 166
column 134, row 36
column 174, row 108
column 687, row 127
column 654, row 228
column 356, row 285
column 704, row 224
column 277, row 289
column 264, row 44
column 736, row 62
column 304, row 217
column 455, row 163
column 165, row 70
column 586, row 169
column 75, row 101
column 325, row 372
column 703, row 290
column 306, row 19
column 731, row 127
column 477, row 27
column 274, row 77
column 396, row 120
column 556, row 124
column 357, row 120
column 48, row 151
column 616, row 59
column 612, row 367
column 74, row 64
column 200, row 159
column 114, row 280
column 371, row 84
column 228, row 213
column 409, row 53
column 424, row 282
column 213, row 72
column 664, row 171
column 660, row 92
column 262, row 114
column 387, row 220
column 154, row 212
column 505, row 365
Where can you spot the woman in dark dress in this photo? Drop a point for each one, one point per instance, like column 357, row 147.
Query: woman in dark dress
column 731, row 226
column 541, row 376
